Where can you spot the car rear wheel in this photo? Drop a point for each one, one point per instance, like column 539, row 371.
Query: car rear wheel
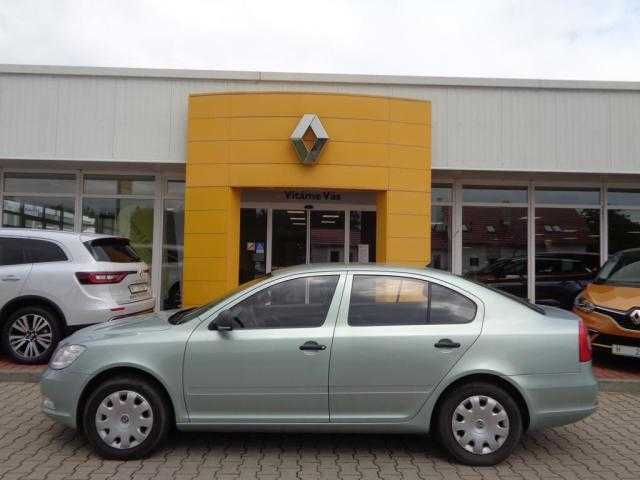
column 126, row 418
column 479, row 424
column 31, row 334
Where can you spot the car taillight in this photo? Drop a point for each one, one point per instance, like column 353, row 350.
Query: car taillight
column 98, row 278
column 584, row 343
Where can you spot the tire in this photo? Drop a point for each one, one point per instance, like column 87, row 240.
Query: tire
column 31, row 334
column 134, row 427
column 465, row 405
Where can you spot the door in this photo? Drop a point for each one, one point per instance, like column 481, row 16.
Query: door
column 396, row 338
column 14, row 268
column 274, row 365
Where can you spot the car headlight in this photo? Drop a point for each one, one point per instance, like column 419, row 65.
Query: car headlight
column 65, row 356
column 583, row 304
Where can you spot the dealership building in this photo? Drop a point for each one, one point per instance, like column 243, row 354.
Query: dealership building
column 220, row 177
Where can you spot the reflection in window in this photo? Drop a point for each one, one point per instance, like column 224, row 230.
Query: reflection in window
column 40, row 183
column 298, row 303
column 327, row 236
column 494, row 194
column 567, row 254
column 289, row 238
column 494, row 247
column 118, row 185
column 362, row 239
column 172, row 251
column 253, row 243
column 441, row 237
column 624, row 230
column 568, row 196
column 50, row 213
column 132, row 218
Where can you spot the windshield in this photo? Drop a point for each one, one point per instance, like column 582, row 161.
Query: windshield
column 623, row 267
column 186, row 314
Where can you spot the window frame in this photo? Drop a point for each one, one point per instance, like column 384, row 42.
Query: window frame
column 346, row 299
column 232, row 302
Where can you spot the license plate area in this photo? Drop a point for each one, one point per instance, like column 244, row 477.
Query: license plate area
column 138, row 289
column 625, row 350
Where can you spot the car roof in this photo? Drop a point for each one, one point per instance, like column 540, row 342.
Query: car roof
column 368, row 267
column 52, row 234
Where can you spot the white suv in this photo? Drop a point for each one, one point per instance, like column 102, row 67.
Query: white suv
column 55, row 282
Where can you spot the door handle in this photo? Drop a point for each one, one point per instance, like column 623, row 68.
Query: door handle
column 311, row 345
column 446, row 343
column 10, row 278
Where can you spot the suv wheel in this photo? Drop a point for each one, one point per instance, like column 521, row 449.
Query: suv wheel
column 479, row 424
column 126, row 418
column 31, row 334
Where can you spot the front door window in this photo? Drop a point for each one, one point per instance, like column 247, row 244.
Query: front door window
column 327, row 236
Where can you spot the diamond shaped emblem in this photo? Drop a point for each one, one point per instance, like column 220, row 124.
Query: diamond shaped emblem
column 635, row 317
column 308, row 138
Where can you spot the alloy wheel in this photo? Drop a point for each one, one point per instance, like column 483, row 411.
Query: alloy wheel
column 30, row 336
column 124, row 419
column 480, row 424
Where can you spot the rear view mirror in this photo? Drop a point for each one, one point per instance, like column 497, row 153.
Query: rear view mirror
column 223, row 322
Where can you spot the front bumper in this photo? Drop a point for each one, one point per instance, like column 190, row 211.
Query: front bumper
column 61, row 391
column 605, row 325
column 559, row 399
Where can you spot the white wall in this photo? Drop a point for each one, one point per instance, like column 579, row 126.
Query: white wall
column 138, row 116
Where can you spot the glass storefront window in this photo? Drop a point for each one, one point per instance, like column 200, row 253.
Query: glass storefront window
column 472, row 194
column 441, row 237
column 118, row 185
column 494, row 247
column 51, row 213
column 623, row 229
column 289, row 238
column 129, row 217
column 39, row 183
column 568, row 196
column 172, row 254
column 441, row 193
column 175, row 188
column 253, row 243
column 567, row 253
column 327, row 236
column 620, row 197
column 362, row 237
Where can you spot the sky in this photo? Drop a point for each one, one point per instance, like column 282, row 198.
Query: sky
column 558, row 39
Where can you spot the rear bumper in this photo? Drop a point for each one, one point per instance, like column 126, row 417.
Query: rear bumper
column 559, row 399
column 105, row 312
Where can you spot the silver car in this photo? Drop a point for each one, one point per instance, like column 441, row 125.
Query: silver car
column 330, row 348
column 54, row 282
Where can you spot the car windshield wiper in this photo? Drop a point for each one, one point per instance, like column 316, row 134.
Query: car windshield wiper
column 175, row 318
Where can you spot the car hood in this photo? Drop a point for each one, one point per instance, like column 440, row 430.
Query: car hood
column 619, row 297
column 138, row 325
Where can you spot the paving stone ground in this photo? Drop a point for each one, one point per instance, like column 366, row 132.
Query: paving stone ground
column 605, row 446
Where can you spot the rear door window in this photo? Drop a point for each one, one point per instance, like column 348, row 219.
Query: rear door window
column 41, row 251
column 382, row 300
column 117, row 250
column 11, row 251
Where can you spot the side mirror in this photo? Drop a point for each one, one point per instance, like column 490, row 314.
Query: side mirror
column 223, row 322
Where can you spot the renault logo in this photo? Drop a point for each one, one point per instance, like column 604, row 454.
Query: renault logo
column 635, row 317
column 308, row 138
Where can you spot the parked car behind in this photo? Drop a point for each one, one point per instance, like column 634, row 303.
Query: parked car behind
column 610, row 306
column 55, row 282
column 559, row 276
column 330, row 348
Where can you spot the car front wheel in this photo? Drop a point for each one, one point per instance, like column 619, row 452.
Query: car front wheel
column 479, row 424
column 126, row 418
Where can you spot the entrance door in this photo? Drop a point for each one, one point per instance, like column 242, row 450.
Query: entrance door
column 277, row 237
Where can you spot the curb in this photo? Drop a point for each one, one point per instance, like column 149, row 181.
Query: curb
column 605, row 385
